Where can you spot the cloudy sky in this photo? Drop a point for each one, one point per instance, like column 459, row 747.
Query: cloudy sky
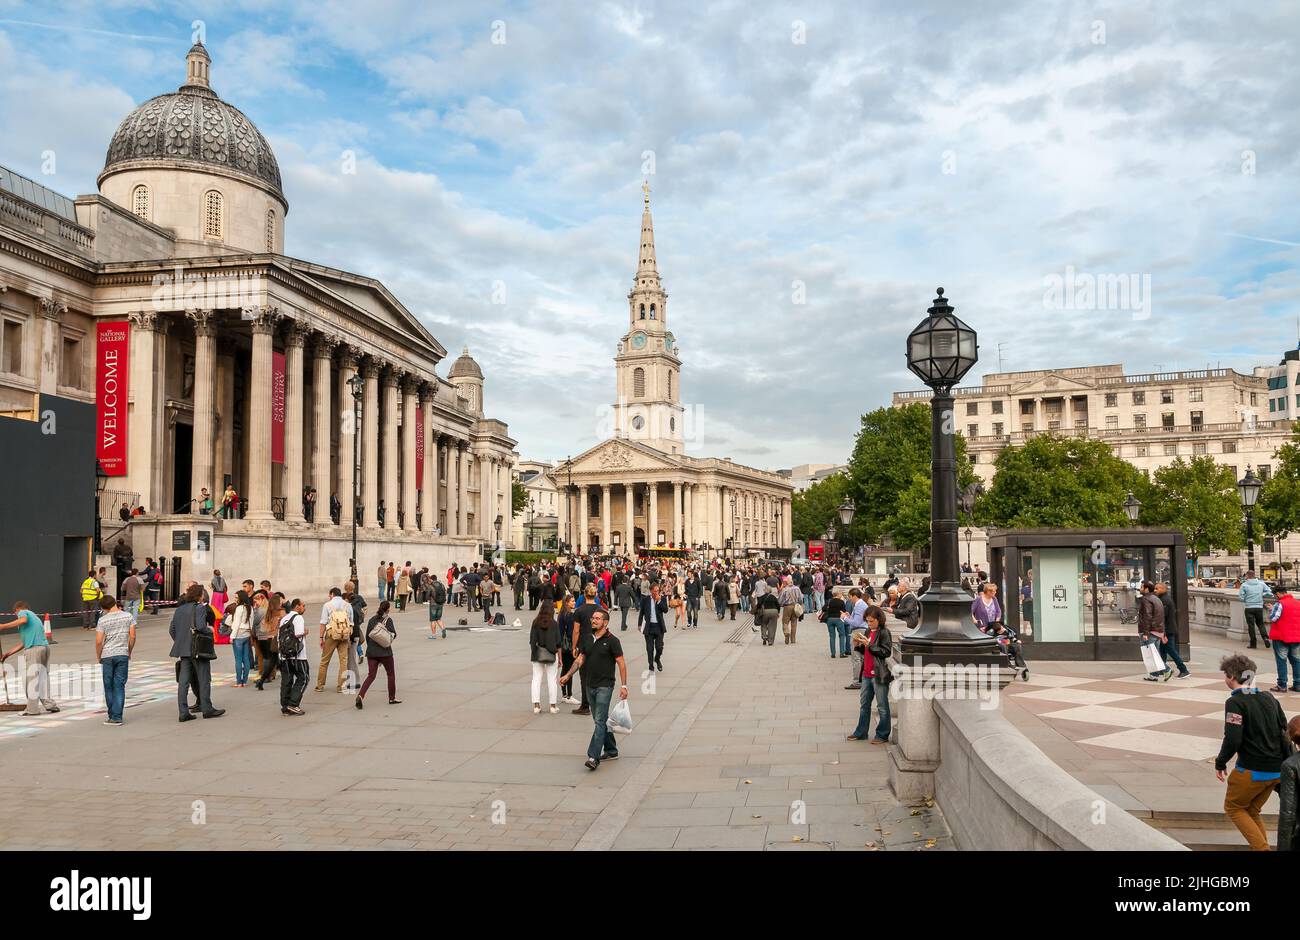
column 817, row 169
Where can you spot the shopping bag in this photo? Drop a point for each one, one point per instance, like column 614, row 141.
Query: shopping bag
column 620, row 717
column 1151, row 657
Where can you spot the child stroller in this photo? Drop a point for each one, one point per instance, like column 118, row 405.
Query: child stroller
column 1011, row 645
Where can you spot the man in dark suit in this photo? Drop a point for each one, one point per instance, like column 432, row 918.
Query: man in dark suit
column 654, row 611
column 192, row 616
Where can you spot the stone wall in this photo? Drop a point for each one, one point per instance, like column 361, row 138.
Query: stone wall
column 1218, row 610
column 999, row 792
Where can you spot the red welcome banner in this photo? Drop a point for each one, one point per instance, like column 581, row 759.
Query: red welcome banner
column 277, row 408
column 419, row 448
column 112, row 355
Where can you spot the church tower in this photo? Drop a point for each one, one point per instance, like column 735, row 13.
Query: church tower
column 648, row 371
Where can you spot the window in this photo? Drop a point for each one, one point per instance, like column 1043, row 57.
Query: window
column 70, row 371
column 642, row 312
column 1196, row 394
column 1140, row 450
column 974, row 457
column 1027, row 427
column 672, row 425
column 1272, row 405
column 1268, row 545
column 1229, row 447
column 1140, row 422
column 1171, row 450
column 1254, row 398
column 670, row 385
column 140, row 201
column 1198, row 420
column 1053, row 425
column 652, row 311
column 972, row 408
column 997, row 407
column 1200, row 448
column 997, row 428
column 1112, row 422
column 1166, row 396
column 638, row 383
column 1112, row 399
column 1139, row 398
column 212, row 214
column 1167, row 420
column 1026, row 406
column 972, row 430
column 270, row 230
column 1263, row 471
column 11, row 347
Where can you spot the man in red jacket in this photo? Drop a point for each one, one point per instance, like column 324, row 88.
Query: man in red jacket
column 1284, row 633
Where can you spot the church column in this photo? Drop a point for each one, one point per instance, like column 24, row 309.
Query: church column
column 429, row 496
column 408, row 452
column 348, row 430
column 370, row 444
column 786, row 537
column 675, row 531
column 322, row 372
column 264, row 320
column 388, row 430
column 484, row 511
column 629, row 523
column 205, row 385
column 295, row 338
column 462, row 488
column 47, row 369
column 145, row 444
column 652, row 535
column 605, row 518
column 453, row 483
column 688, row 515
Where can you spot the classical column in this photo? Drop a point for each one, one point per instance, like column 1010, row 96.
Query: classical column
column 484, row 485
column 688, row 515
column 370, row 444
column 462, row 488
column 453, row 486
column 786, row 537
column 410, row 390
column 605, row 518
column 676, row 535
column 348, row 430
column 263, row 320
column 390, row 496
column 294, row 339
column 629, row 523
column 52, row 313
column 429, row 496
column 145, row 443
column 205, row 387
column 652, row 530
column 322, row 362
column 713, row 512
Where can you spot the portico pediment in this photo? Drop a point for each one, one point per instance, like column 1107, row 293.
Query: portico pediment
column 1052, row 384
column 616, row 456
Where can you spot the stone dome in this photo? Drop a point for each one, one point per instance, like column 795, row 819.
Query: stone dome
column 193, row 125
column 465, row 367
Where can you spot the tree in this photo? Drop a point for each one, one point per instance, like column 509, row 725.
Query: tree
column 1278, row 509
column 518, row 498
column 813, row 510
column 891, row 450
column 1061, row 482
column 1200, row 497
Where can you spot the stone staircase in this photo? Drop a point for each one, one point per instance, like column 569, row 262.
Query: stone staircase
column 1206, row 829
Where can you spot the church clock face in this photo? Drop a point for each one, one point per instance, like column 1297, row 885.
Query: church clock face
column 638, row 422
column 669, row 342
column 638, row 341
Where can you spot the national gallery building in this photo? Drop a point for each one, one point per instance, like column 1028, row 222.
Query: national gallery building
column 215, row 360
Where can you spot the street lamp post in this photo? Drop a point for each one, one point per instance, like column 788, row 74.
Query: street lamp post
column 1132, row 508
column 357, row 385
column 846, row 511
column 940, row 350
column 968, row 535
column 1248, row 488
column 568, row 509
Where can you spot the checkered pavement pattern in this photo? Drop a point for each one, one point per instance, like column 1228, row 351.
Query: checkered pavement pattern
column 78, row 690
column 1181, row 719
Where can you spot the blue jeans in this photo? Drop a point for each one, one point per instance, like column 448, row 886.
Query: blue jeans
column 873, row 689
column 808, row 602
column 602, row 739
column 835, row 627
column 114, row 669
column 1170, row 649
column 819, row 600
column 720, row 606
column 243, row 658
column 1283, row 652
column 744, row 603
column 133, row 608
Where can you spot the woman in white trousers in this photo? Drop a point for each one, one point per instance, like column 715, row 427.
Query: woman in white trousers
column 544, row 642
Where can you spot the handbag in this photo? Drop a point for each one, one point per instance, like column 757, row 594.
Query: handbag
column 202, row 645
column 798, row 610
column 380, row 636
column 544, row 655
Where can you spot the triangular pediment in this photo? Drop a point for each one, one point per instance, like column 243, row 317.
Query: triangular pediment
column 1051, row 384
column 617, row 454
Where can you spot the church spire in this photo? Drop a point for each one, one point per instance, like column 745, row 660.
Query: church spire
column 646, row 269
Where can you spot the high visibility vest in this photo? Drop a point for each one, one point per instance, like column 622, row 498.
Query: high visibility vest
column 90, row 590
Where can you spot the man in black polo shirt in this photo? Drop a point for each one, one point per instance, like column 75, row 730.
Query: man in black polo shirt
column 600, row 653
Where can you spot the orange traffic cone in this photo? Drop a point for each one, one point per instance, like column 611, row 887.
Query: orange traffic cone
column 49, row 633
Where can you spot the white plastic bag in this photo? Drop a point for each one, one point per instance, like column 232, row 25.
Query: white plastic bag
column 1151, row 657
column 620, row 717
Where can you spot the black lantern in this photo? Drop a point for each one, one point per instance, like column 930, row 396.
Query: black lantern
column 941, row 349
column 1248, row 488
column 846, row 511
column 1132, row 507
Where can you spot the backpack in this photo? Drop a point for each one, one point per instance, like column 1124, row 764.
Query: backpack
column 439, row 593
column 338, row 627
column 290, row 644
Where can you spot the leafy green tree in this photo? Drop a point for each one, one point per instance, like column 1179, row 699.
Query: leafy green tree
column 518, row 498
column 1200, row 497
column 1062, row 482
column 1278, row 509
column 891, row 450
column 814, row 509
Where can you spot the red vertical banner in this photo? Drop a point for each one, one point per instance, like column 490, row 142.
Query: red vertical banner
column 277, row 408
column 419, row 448
column 112, row 356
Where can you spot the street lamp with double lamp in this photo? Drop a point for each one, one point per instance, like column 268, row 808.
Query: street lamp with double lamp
column 940, row 350
column 357, row 386
column 1248, row 488
column 847, row 511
